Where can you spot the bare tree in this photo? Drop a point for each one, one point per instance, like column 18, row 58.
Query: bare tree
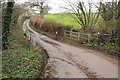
column 83, row 13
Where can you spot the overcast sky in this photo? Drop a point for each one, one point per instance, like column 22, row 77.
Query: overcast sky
column 56, row 4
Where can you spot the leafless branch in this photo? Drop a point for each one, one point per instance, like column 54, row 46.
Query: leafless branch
column 83, row 14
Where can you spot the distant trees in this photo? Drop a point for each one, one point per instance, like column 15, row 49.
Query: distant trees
column 6, row 24
column 18, row 10
column 41, row 5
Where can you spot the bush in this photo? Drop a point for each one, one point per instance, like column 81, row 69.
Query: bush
column 67, row 28
column 35, row 21
column 48, row 26
column 60, row 29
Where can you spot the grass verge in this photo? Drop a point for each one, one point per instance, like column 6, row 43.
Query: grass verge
column 18, row 61
column 21, row 64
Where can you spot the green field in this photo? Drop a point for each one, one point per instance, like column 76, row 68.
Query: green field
column 67, row 20
column 63, row 19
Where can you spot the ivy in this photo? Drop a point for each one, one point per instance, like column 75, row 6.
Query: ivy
column 6, row 24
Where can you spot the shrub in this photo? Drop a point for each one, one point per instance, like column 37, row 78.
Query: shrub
column 47, row 26
column 60, row 29
column 67, row 28
column 35, row 21
column 52, row 27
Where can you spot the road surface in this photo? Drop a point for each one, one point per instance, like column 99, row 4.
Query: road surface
column 67, row 61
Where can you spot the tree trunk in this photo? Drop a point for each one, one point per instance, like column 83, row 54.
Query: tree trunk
column 6, row 24
column 118, row 41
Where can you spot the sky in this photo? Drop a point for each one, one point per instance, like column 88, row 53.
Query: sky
column 56, row 4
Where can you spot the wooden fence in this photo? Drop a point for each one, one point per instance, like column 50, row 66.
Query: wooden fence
column 81, row 36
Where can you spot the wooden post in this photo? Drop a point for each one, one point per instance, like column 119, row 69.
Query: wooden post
column 64, row 33
column 78, row 35
column 70, row 34
column 89, row 35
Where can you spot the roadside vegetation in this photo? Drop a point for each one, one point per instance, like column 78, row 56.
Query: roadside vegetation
column 17, row 60
column 21, row 63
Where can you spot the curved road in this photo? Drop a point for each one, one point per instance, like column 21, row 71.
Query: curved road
column 67, row 61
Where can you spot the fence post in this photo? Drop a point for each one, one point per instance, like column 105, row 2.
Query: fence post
column 78, row 35
column 70, row 34
column 64, row 33
column 89, row 35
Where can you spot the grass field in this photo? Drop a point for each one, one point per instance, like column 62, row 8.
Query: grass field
column 63, row 19
column 68, row 20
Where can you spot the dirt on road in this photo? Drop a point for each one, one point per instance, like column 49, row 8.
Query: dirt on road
column 67, row 61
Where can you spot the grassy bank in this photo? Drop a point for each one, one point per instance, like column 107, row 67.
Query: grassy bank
column 18, row 61
column 21, row 64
